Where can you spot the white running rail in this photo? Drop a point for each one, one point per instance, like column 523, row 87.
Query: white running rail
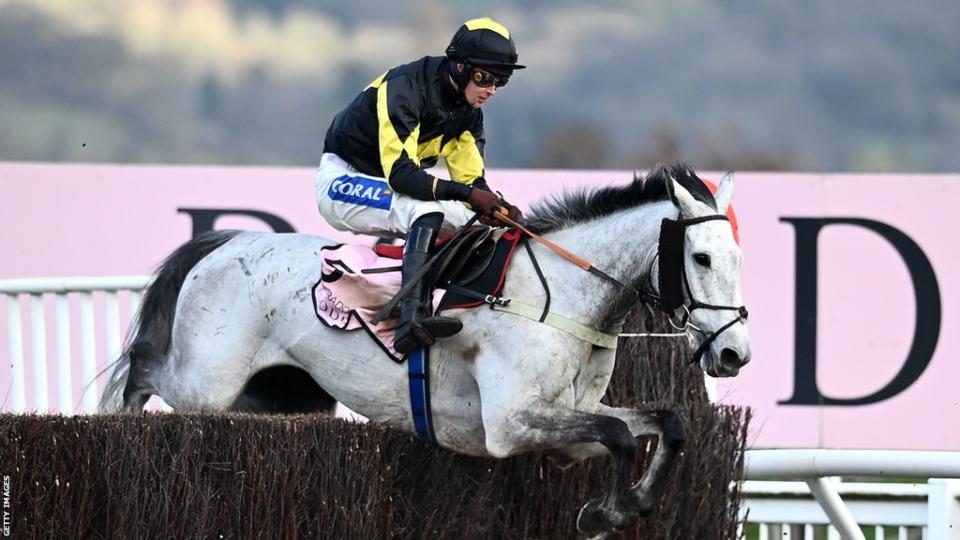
column 784, row 509
column 105, row 324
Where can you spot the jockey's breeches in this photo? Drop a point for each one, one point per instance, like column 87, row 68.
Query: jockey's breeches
column 362, row 204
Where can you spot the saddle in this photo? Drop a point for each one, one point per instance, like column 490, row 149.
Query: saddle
column 356, row 280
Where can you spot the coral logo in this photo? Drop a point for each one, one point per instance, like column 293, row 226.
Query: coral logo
column 361, row 191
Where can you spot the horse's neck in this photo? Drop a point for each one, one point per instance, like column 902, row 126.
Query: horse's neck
column 623, row 245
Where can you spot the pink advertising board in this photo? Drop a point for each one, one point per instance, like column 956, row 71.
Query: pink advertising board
column 851, row 280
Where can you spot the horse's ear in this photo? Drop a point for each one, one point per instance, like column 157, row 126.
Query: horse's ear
column 724, row 193
column 681, row 198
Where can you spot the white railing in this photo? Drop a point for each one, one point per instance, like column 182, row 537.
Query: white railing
column 788, row 509
column 28, row 375
column 782, row 509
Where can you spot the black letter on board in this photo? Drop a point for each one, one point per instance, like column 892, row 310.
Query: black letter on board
column 927, row 325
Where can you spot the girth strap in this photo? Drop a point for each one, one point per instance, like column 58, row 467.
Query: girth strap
column 418, row 371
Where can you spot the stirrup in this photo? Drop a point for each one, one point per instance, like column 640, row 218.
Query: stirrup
column 439, row 327
column 409, row 335
column 407, row 343
column 424, row 332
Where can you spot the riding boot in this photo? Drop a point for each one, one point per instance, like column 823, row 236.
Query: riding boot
column 418, row 327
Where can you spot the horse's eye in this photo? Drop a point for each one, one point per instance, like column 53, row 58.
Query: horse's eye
column 702, row 259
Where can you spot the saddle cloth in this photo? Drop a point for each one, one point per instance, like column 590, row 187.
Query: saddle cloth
column 356, row 281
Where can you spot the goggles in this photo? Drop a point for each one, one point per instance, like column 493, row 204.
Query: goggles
column 484, row 79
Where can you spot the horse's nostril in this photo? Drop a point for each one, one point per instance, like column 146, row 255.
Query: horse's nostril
column 731, row 359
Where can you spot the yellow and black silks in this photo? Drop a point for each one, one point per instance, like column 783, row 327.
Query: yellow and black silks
column 403, row 122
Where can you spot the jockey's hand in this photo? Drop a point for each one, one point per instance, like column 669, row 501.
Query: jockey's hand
column 510, row 210
column 484, row 203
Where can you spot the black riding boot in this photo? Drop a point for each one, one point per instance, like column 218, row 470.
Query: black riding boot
column 417, row 326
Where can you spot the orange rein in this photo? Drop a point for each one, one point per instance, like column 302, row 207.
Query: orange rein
column 502, row 216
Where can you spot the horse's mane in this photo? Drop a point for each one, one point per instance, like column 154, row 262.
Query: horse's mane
column 584, row 204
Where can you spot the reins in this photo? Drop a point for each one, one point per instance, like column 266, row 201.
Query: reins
column 579, row 261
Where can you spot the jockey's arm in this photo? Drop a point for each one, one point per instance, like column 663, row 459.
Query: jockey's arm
column 398, row 116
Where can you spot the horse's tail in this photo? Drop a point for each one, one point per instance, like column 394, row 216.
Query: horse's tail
column 154, row 321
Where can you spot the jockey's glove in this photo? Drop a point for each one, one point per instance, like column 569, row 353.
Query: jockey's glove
column 484, row 202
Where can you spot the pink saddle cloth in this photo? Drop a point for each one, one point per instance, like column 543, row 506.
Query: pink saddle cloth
column 355, row 283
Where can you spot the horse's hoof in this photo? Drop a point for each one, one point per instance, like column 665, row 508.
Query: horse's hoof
column 645, row 503
column 596, row 521
column 590, row 520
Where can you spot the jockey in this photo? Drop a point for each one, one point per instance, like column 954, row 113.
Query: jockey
column 373, row 175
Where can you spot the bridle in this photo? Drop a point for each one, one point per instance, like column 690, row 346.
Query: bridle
column 673, row 282
column 672, row 277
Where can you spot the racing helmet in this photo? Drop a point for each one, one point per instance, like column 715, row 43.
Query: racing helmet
column 484, row 43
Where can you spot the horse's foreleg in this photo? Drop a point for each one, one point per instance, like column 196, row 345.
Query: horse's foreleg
column 545, row 427
column 668, row 427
